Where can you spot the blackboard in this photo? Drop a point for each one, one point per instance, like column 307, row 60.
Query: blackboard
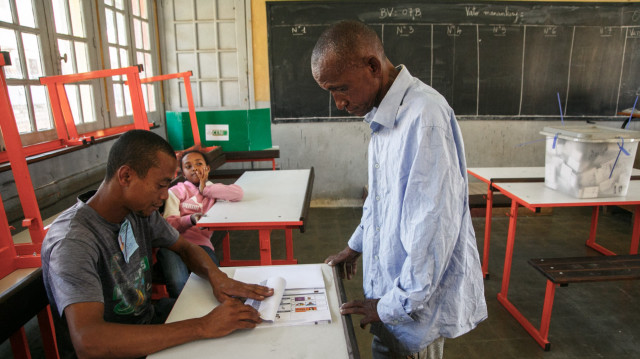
column 490, row 60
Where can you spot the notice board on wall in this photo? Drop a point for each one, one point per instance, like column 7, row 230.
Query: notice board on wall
column 490, row 60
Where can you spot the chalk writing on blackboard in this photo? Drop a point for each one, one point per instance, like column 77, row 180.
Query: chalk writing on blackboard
column 404, row 30
column 550, row 31
column 404, row 12
column 453, row 30
column 298, row 30
column 490, row 60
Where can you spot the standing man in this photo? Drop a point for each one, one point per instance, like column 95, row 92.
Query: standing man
column 422, row 276
column 96, row 261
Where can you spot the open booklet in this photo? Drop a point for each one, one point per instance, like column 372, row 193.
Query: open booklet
column 299, row 296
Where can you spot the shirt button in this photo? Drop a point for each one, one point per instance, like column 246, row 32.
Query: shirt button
column 377, row 165
column 377, row 198
column 377, row 229
column 376, row 257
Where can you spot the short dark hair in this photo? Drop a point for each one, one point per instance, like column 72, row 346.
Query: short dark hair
column 137, row 149
column 184, row 154
column 346, row 39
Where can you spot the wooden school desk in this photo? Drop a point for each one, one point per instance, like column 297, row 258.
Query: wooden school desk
column 491, row 175
column 534, row 195
column 333, row 340
column 272, row 200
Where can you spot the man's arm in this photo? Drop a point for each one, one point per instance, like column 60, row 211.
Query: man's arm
column 92, row 337
column 432, row 212
column 224, row 287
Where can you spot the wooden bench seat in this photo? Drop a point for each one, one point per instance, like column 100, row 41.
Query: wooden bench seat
column 563, row 271
column 588, row 269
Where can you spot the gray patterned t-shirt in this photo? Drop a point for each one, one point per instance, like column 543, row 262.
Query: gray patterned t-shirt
column 85, row 258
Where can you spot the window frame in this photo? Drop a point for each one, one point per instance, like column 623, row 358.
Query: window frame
column 96, row 43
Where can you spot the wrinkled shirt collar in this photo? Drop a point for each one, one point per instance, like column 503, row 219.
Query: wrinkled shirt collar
column 385, row 114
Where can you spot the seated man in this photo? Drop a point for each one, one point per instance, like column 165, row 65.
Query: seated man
column 96, row 261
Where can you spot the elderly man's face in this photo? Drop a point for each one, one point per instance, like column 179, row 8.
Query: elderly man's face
column 354, row 87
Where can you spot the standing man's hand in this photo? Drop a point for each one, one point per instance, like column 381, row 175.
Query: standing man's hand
column 367, row 307
column 347, row 259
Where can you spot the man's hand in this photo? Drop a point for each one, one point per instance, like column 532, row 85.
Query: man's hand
column 228, row 317
column 226, row 288
column 347, row 259
column 367, row 307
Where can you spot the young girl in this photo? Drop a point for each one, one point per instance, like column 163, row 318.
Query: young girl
column 187, row 202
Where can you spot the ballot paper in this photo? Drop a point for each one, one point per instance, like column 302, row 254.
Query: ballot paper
column 299, row 295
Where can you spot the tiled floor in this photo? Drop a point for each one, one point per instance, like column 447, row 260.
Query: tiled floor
column 591, row 320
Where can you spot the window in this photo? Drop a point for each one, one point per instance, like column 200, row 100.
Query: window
column 128, row 29
column 53, row 37
column 73, row 49
column 22, row 36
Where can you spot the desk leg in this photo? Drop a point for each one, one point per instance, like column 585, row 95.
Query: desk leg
column 265, row 247
column 487, row 233
column 226, row 251
column 289, row 244
column 20, row 345
column 539, row 335
column 48, row 333
column 635, row 236
column 513, row 218
column 591, row 242
column 273, row 164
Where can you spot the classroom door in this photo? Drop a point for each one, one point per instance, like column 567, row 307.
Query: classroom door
column 208, row 38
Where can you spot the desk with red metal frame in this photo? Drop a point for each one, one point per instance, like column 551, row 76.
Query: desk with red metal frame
column 335, row 340
column 272, row 200
column 491, row 175
column 535, row 195
column 61, row 109
column 190, row 104
column 16, row 260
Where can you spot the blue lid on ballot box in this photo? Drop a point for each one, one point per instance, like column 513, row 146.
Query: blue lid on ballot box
column 592, row 133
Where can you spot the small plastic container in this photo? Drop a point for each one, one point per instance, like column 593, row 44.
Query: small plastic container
column 586, row 161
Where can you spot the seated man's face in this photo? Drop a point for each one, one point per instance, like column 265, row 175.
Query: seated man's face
column 147, row 194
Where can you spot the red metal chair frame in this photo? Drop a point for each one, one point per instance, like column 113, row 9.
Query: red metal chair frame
column 26, row 255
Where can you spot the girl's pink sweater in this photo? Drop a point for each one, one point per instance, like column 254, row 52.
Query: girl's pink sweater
column 185, row 199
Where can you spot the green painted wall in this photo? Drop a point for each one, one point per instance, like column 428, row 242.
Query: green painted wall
column 247, row 130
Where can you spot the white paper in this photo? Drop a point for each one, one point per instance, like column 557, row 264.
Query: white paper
column 268, row 308
column 303, row 302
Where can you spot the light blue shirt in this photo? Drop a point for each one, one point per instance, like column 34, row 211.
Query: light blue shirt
column 416, row 237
